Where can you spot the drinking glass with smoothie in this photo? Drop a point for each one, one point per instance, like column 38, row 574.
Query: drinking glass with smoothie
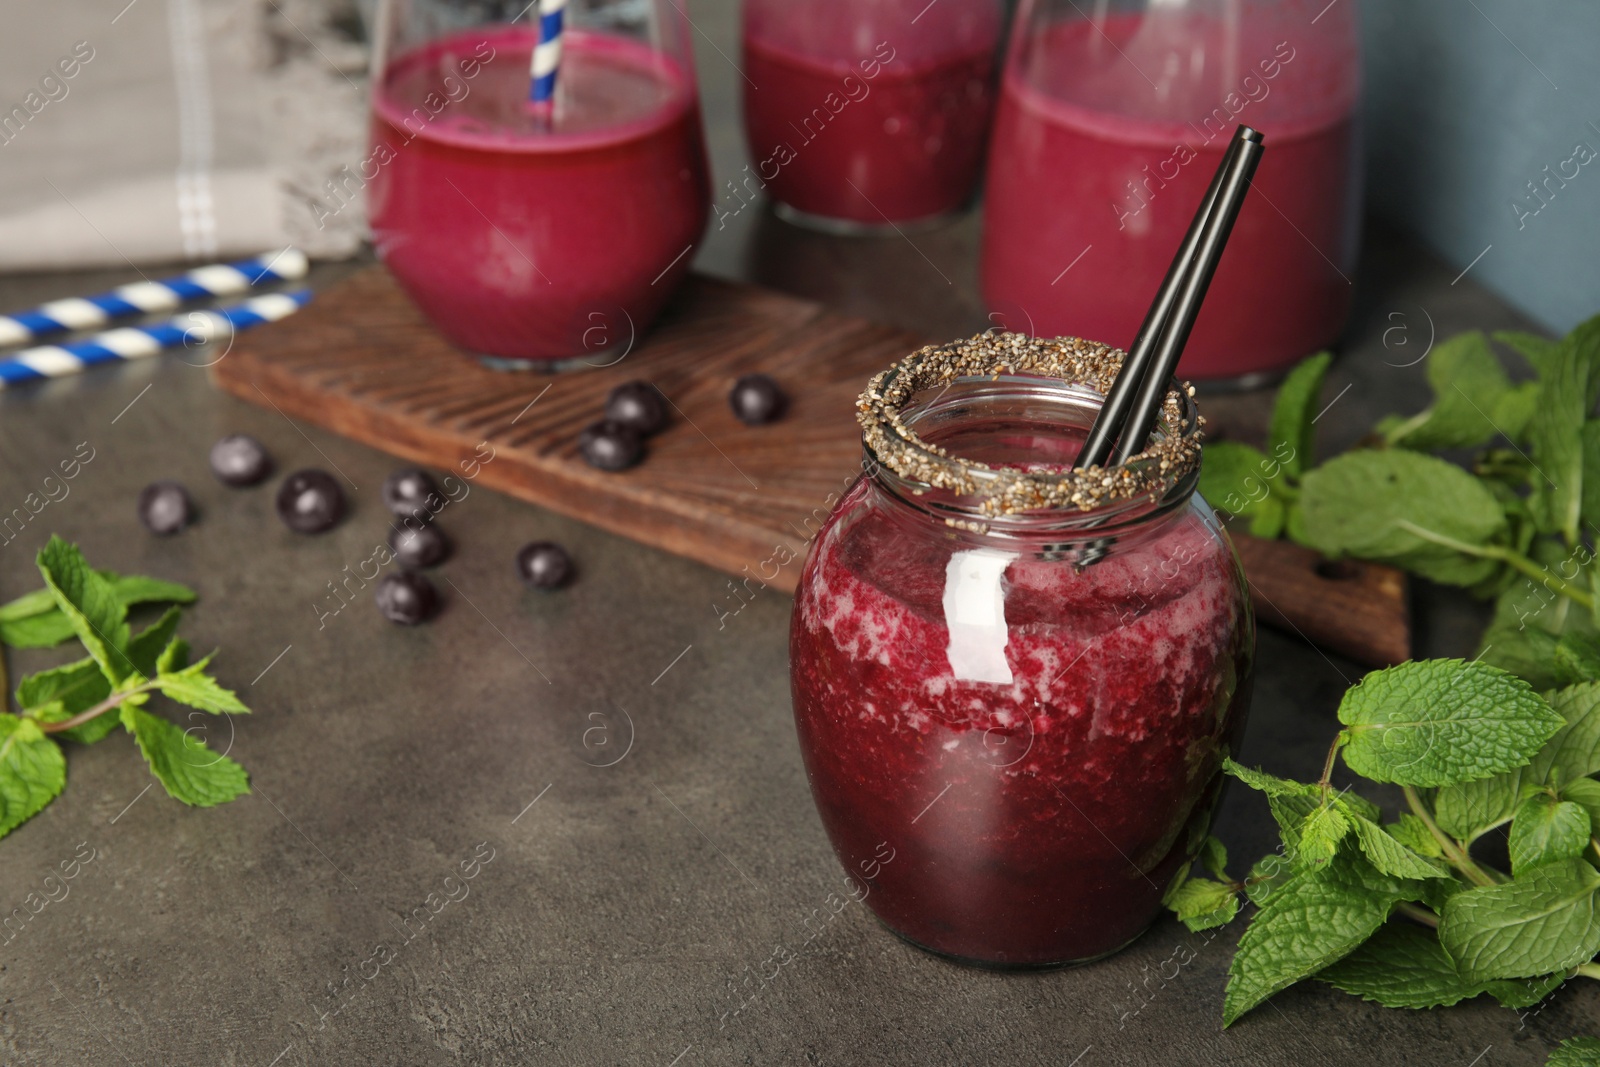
column 1113, row 117
column 863, row 115
column 536, row 235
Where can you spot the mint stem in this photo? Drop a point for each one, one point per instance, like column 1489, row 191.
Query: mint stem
column 113, row 701
column 1327, row 766
column 1517, row 561
column 1456, row 854
column 1421, row 915
column 1587, row 970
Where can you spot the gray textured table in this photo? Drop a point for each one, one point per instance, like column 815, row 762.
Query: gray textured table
column 628, row 911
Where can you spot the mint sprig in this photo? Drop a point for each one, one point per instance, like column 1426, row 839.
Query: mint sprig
column 122, row 671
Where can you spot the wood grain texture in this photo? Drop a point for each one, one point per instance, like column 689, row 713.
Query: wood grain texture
column 360, row 360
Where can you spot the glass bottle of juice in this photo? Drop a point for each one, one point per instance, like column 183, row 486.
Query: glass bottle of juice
column 866, row 114
column 1112, row 118
column 1013, row 686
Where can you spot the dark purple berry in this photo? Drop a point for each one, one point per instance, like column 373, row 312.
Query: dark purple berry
column 638, row 406
column 610, row 446
column 544, row 565
column 419, row 544
column 164, row 507
column 406, row 598
column 757, row 400
column 310, row 501
column 412, row 493
column 239, row 460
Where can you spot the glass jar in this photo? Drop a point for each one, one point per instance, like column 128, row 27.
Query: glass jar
column 1013, row 717
column 1113, row 117
column 864, row 114
column 529, row 236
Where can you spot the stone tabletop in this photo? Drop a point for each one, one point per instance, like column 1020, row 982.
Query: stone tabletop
column 575, row 828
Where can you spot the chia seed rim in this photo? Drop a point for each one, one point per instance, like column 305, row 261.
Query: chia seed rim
column 1166, row 464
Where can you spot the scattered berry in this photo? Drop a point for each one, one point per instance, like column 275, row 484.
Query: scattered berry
column 419, row 545
column 412, row 493
column 310, row 501
column 406, row 598
column 239, row 460
column 638, row 406
column 164, row 507
column 757, row 400
column 544, row 565
column 610, row 445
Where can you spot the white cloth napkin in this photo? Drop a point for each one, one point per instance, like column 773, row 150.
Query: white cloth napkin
column 165, row 130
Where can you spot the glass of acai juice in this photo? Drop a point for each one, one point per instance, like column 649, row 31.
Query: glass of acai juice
column 536, row 235
column 1014, row 684
column 867, row 115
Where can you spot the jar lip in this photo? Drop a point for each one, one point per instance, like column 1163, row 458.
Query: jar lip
column 1170, row 459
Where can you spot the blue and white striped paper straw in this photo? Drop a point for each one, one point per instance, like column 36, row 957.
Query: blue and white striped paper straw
column 141, row 298
column 547, row 53
column 137, row 342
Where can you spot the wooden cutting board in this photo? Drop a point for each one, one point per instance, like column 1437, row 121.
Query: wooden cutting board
column 363, row 362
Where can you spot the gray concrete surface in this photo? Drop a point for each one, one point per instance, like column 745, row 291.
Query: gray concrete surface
column 628, row 911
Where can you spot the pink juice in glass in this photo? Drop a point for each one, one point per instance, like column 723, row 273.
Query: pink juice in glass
column 1078, row 167
column 868, row 134
column 525, row 240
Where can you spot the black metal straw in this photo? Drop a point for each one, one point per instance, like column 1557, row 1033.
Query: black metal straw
column 1153, row 389
column 1114, row 412
column 1151, row 342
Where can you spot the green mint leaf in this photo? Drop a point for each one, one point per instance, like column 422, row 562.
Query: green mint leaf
column 194, row 687
column 1357, row 804
column 134, row 589
column 1468, row 386
column 1411, row 510
column 1577, row 655
column 1402, row 966
column 1524, row 992
column 1201, row 904
column 1316, row 917
column 1540, row 352
column 1268, row 874
column 65, row 691
column 1269, row 784
column 1321, row 833
column 1214, row 858
column 1269, row 519
column 1290, row 812
column 1546, row 830
column 1589, row 507
column 34, row 621
column 1436, row 892
column 37, row 631
column 187, row 769
column 1584, row 792
column 173, row 658
column 1439, row 722
column 1545, row 921
column 98, row 618
column 32, row 771
column 1575, row 1052
column 1514, row 410
column 1413, row 833
column 1391, row 857
column 1292, row 436
column 145, row 649
column 1555, row 433
column 1470, row 809
column 1237, row 478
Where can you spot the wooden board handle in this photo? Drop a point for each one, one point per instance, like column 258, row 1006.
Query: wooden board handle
column 1359, row 610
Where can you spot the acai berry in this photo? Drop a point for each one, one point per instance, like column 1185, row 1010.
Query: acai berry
column 165, row 508
column 310, row 501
